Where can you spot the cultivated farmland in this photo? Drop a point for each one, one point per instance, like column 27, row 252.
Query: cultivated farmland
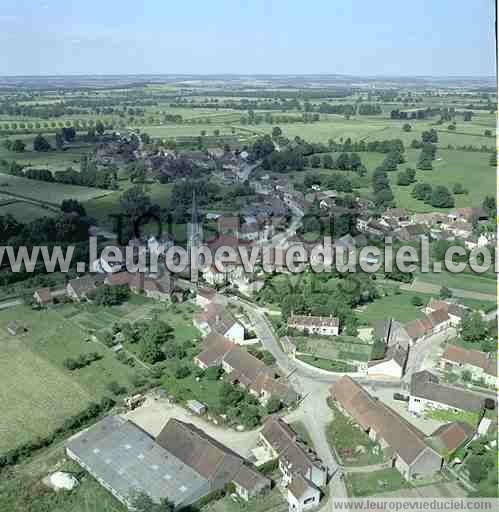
column 45, row 192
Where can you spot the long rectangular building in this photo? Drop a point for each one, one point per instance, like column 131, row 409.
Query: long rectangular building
column 404, row 443
column 125, row 460
column 183, row 464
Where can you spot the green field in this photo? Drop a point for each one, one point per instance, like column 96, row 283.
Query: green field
column 37, row 391
column 398, row 306
column 25, row 491
column 26, row 212
column 370, row 128
column 53, row 193
column 472, row 170
column 463, row 281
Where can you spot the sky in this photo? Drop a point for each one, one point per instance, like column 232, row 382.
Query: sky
column 353, row 37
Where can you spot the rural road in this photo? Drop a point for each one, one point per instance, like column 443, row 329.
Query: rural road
column 313, row 385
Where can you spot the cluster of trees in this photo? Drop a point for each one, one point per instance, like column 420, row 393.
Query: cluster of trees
column 344, row 109
column 347, row 110
column 64, row 135
column 60, row 228
column 426, row 157
column 81, row 361
column 321, row 295
column 171, row 169
column 142, row 502
column 261, row 148
column 335, row 181
column 375, row 146
column 458, row 189
column 41, row 144
column 489, row 204
column 383, row 195
column 73, row 206
column 475, row 329
column 111, row 295
column 285, row 161
column 17, row 145
column 481, row 464
column 415, row 114
column 493, row 158
column 378, row 349
column 438, row 197
column 405, row 178
column 255, row 119
column 240, row 406
column 155, row 341
column 88, row 176
column 369, row 109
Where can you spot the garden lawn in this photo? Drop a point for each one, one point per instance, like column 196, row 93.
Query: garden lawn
column 449, row 416
column 344, row 437
column 328, row 364
column 398, row 307
column 374, row 482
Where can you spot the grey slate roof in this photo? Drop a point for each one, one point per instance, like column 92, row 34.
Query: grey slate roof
column 126, row 459
column 426, row 385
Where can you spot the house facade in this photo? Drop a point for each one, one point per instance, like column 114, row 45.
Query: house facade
column 318, row 325
column 480, row 365
column 303, row 495
column 282, row 443
column 392, row 366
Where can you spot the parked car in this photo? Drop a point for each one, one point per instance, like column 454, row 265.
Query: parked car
column 401, row 397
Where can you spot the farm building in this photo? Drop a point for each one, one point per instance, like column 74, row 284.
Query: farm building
column 392, row 366
column 183, row 464
column 196, row 407
column 426, row 392
column 42, row 296
column 403, row 443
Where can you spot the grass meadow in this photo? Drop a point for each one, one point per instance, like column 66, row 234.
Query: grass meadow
column 37, row 393
column 43, row 191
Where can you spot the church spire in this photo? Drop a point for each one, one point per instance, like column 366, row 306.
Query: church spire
column 194, row 211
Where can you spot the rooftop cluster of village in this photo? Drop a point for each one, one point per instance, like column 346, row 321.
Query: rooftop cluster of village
column 248, row 389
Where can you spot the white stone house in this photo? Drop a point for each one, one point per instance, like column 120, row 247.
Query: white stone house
column 319, row 325
column 302, row 494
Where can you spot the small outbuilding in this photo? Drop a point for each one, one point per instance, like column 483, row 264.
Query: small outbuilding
column 196, row 407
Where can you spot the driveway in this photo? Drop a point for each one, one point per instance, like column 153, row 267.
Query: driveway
column 154, row 414
column 424, row 352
